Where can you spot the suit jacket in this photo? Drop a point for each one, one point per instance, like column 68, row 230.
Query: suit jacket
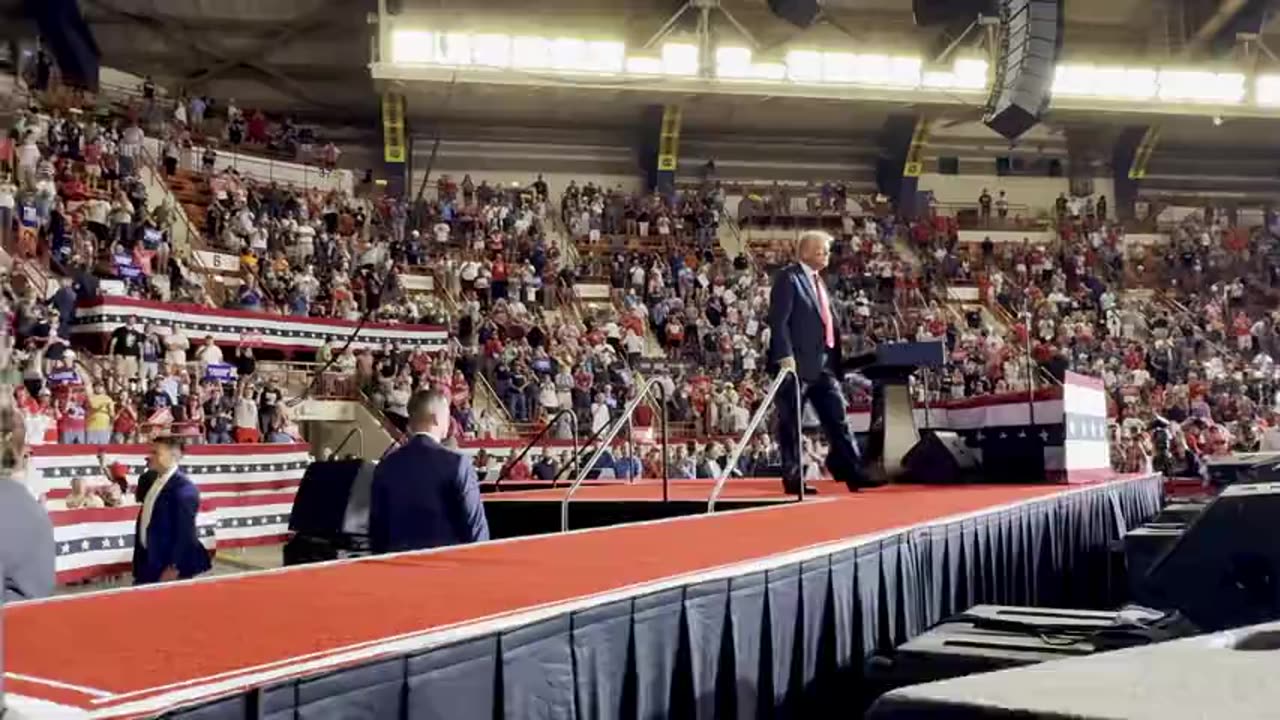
column 795, row 324
column 27, row 550
column 425, row 495
column 172, row 539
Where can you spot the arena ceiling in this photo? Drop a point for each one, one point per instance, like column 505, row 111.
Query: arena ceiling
column 310, row 57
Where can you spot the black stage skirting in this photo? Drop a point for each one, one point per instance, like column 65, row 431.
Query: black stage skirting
column 772, row 638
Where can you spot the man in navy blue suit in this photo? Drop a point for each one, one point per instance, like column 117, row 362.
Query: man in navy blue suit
column 804, row 338
column 425, row 495
column 167, row 546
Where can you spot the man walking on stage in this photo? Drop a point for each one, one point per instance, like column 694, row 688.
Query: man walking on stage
column 804, row 338
column 425, row 495
column 168, row 546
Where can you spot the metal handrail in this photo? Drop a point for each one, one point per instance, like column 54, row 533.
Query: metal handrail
column 612, row 433
column 573, row 425
column 587, row 445
column 483, row 382
column 741, row 445
column 357, row 431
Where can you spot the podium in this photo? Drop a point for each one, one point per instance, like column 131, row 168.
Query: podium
column 893, row 424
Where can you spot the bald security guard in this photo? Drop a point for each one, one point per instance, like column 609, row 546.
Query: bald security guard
column 425, row 495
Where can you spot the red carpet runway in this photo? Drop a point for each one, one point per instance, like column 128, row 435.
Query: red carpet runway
column 135, row 653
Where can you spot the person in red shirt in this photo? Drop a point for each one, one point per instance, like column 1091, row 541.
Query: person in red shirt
column 71, row 421
column 1243, row 329
column 124, row 426
column 518, row 471
column 459, row 390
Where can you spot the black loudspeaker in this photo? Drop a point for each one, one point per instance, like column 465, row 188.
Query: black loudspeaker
column 993, row 637
column 330, row 514
column 940, row 457
column 1024, row 72
column 1224, row 570
column 801, row 13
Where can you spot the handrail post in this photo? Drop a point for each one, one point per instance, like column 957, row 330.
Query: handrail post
column 741, row 445
column 795, row 379
column 573, row 426
column 605, row 439
column 662, row 410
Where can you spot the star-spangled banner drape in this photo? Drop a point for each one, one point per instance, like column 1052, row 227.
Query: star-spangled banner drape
column 246, row 496
column 103, row 315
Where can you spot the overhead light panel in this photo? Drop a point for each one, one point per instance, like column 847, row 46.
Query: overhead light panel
column 679, row 59
column 733, row 62
column 455, row 49
column 568, row 54
column 491, row 50
column 1201, row 87
column 533, row 53
column 639, row 65
column 804, row 66
column 413, row 46
column 776, row 72
column 606, row 56
column 1267, row 90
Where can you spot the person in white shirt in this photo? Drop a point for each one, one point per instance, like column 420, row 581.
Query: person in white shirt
column 175, row 348
column 8, row 201
column 599, row 415
column 633, row 344
column 28, row 156
column 208, row 354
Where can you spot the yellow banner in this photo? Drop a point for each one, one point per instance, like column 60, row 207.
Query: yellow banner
column 669, row 139
column 394, row 139
column 915, row 153
column 1146, row 147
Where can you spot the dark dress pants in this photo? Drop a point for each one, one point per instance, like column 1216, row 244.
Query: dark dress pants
column 843, row 459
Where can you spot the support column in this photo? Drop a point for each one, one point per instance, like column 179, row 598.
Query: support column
column 395, row 143
column 660, row 148
column 668, row 149
column 901, row 163
column 1133, row 150
column 1083, row 145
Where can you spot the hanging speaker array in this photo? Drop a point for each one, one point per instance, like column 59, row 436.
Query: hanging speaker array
column 1031, row 40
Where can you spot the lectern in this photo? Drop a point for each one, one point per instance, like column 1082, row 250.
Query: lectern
column 893, row 423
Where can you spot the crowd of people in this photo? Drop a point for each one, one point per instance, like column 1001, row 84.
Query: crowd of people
column 153, row 381
column 1181, row 331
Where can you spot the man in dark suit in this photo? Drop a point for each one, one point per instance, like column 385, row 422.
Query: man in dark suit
column 804, row 338
column 425, row 495
column 167, row 546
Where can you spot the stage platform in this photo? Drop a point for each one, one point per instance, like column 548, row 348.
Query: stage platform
column 708, row 616
column 535, row 509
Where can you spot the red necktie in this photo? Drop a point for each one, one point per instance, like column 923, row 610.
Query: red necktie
column 824, row 309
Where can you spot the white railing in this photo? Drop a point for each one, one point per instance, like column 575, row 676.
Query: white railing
column 266, row 170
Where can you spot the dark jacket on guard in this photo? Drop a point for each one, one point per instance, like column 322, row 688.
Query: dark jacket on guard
column 425, row 495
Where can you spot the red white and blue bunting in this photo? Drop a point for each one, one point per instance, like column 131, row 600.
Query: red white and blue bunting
column 246, row 494
column 103, row 315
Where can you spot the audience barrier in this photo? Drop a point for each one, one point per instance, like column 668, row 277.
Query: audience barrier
column 101, row 316
column 246, row 496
